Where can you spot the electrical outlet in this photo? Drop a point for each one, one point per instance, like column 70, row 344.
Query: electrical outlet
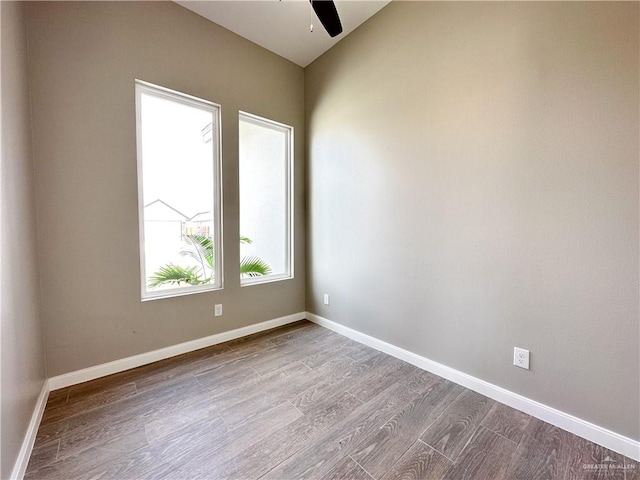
column 521, row 357
column 217, row 310
column 326, row 299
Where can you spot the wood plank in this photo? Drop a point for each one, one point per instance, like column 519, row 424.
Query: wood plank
column 57, row 398
column 257, row 460
column 75, row 428
column 263, row 341
column 631, row 469
column 88, row 401
column 336, row 383
column 309, row 333
column 417, row 379
column 302, row 327
column 420, row 462
column 138, row 407
column 347, row 469
column 506, row 421
column 118, row 419
column 187, row 454
column 50, row 432
column 343, row 438
column 589, row 461
column 273, row 357
column 190, row 365
column 486, row 456
column 358, row 351
column 542, row 453
column 243, row 412
column 176, row 419
column 43, row 455
column 159, row 373
column 165, row 457
column 227, row 375
column 93, row 462
column 453, row 429
column 237, row 441
column 389, row 373
column 286, row 353
column 400, row 432
column 91, row 436
column 281, row 391
column 334, row 345
column 322, row 356
column 258, row 396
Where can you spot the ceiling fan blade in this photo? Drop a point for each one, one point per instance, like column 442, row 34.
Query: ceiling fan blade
column 328, row 16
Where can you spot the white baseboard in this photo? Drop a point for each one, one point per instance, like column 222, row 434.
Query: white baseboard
column 582, row 428
column 22, row 461
column 91, row 373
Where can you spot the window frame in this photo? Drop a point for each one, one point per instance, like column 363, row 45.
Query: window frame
column 216, row 132
column 289, row 204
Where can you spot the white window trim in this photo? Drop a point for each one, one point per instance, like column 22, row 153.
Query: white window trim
column 142, row 86
column 288, row 129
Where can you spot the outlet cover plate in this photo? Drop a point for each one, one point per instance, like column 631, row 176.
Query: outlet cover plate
column 521, row 357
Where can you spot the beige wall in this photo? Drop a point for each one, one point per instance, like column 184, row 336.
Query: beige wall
column 84, row 57
column 473, row 186
column 21, row 345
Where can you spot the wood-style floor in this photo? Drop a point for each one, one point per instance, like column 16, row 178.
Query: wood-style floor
column 300, row 402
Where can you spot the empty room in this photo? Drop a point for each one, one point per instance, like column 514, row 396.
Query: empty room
column 296, row 239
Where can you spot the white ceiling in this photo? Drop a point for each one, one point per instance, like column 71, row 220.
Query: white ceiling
column 283, row 26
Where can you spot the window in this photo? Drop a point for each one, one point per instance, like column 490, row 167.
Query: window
column 266, row 164
column 179, row 196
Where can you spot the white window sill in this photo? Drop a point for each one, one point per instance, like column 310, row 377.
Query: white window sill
column 247, row 282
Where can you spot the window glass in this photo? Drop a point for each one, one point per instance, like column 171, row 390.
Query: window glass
column 178, row 170
column 265, row 199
